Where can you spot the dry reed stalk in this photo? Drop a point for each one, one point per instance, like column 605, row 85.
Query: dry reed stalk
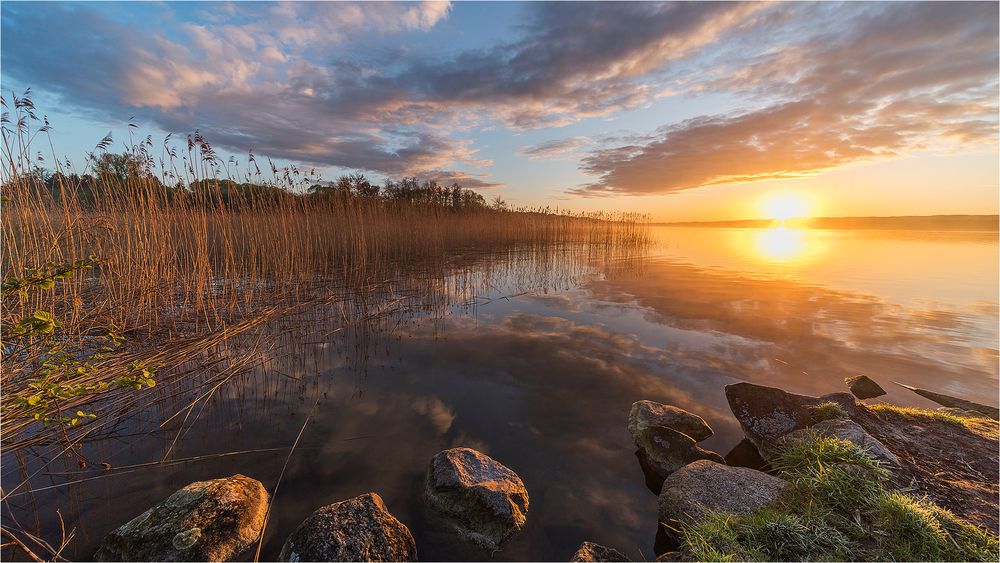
column 181, row 271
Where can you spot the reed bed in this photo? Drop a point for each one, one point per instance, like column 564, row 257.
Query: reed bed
column 163, row 261
column 180, row 260
column 189, row 273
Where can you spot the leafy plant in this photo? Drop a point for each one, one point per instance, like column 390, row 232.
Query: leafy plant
column 62, row 374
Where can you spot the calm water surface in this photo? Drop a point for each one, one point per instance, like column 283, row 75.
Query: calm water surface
column 543, row 381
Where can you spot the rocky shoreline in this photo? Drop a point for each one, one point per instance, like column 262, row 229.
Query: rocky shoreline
column 816, row 477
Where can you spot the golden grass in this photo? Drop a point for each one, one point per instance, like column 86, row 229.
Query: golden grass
column 179, row 269
column 979, row 424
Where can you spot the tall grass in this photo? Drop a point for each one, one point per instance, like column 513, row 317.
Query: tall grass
column 199, row 260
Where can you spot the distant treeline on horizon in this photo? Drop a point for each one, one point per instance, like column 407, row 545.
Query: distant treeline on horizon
column 124, row 173
column 905, row 222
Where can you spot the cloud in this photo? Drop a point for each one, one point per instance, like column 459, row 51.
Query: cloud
column 465, row 179
column 370, row 87
column 890, row 79
column 329, row 83
column 557, row 148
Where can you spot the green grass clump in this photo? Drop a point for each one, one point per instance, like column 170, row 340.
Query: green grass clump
column 911, row 529
column 838, row 508
column 831, row 472
column 826, row 411
column 771, row 534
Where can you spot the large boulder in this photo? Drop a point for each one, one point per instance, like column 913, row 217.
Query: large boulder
column 589, row 551
column 706, row 485
column 205, row 521
column 845, row 430
column 768, row 413
column 666, row 450
column 482, row 499
column 359, row 529
column 863, row 387
column 646, row 414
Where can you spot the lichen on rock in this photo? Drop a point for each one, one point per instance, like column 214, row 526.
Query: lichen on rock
column 205, row 521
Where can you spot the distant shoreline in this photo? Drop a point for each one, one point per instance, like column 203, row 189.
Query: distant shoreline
column 978, row 223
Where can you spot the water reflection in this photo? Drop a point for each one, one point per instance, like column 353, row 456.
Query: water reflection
column 780, row 243
column 543, row 381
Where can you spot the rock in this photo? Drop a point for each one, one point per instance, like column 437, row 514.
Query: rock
column 845, row 430
column 666, row 450
column 645, row 414
column 359, row 529
column 955, row 402
column 589, row 551
column 205, row 521
column 863, row 387
column 768, row 413
column 653, row 480
column 484, row 500
column 706, row 485
column 745, row 454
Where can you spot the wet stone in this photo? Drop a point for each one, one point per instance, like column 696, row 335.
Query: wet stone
column 646, row 414
column 359, row 529
column 589, row 551
column 706, row 485
column 863, row 387
column 483, row 500
column 205, row 521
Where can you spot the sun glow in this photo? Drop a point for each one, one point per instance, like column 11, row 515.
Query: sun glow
column 782, row 206
column 780, row 244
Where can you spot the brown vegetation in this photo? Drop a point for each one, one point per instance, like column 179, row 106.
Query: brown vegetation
column 184, row 257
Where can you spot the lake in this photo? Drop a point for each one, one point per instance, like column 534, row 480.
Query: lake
column 536, row 360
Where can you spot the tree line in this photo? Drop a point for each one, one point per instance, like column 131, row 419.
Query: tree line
column 121, row 173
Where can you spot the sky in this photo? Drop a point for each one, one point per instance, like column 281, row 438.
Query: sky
column 700, row 111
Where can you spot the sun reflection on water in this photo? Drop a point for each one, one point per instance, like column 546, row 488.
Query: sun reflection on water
column 781, row 244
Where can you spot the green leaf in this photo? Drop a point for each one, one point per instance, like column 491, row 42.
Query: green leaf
column 43, row 316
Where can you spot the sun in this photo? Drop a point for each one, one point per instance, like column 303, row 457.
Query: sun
column 782, row 206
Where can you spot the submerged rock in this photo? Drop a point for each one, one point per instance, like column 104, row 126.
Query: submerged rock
column 359, row 529
column 955, row 402
column 706, row 485
column 646, row 414
column 589, row 551
column 768, row 413
column 863, row 387
column 666, row 450
column 845, row 430
column 484, row 500
column 205, row 521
